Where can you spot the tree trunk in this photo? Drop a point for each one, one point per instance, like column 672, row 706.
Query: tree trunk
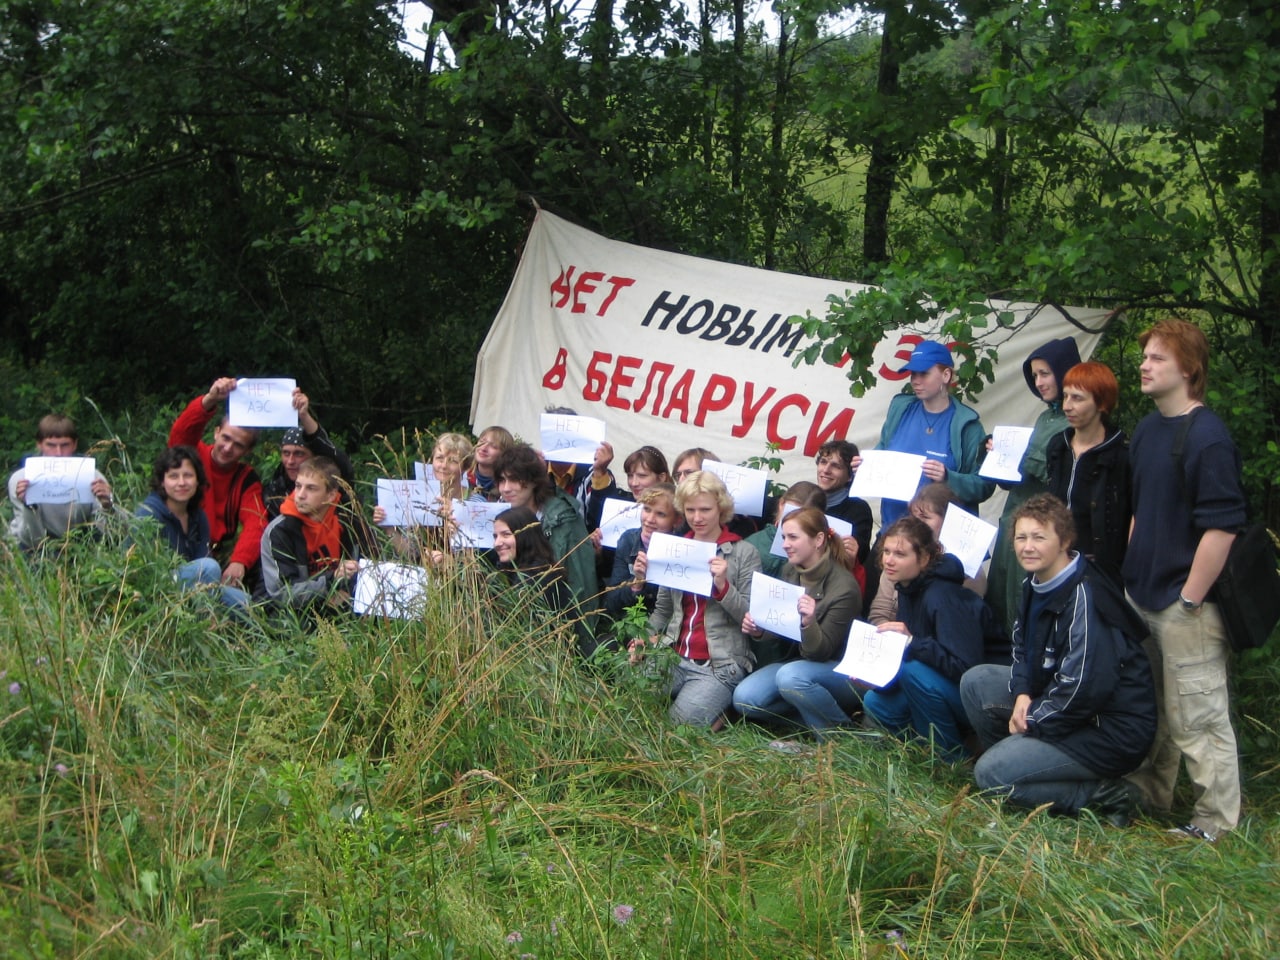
column 882, row 170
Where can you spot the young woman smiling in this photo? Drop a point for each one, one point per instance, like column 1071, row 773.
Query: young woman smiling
column 177, row 487
column 706, row 631
column 627, row 582
column 806, row 685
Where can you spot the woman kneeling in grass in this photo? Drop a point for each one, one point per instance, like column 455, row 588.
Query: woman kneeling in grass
column 706, row 631
column 949, row 629
column 1077, row 710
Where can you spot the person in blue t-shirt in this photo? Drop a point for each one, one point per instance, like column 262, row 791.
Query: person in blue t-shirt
column 929, row 421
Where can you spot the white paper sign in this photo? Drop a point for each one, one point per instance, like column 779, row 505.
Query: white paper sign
column 616, row 518
column 680, row 563
column 410, row 503
column 745, row 484
column 59, row 479
column 474, row 523
column 843, row 527
column 967, row 537
column 1008, row 446
column 262, row 402
column 872, row 656
column 390, row 590
column 773, row 605
column 887, row 473
column 567, row 439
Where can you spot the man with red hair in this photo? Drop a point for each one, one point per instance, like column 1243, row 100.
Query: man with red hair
column 1188, row 503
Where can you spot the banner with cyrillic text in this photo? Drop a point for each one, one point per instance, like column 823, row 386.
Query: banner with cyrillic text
column 679, row 352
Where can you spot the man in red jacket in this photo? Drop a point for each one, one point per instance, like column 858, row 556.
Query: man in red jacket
column 233, row 500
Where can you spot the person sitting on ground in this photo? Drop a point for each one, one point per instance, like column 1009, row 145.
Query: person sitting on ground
column 308, row 555
column 805, row 684
column 34, row 523
column 930, row 505
column 948, row 628
column 523, row 482
column 489, row 445
column 299, row 444
column 233, row 501
column 627, row 583
column 177, row 488
column 450, row 459
column 706, row 631
column 1077, row 710
column 645, row 467
column 525, row 560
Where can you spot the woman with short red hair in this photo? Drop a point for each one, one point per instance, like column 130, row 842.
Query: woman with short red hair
column 1088, row 466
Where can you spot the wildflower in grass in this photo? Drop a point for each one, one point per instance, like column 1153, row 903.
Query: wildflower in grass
column 551, row 868
column 41, row 661
column 622, row 913
column 60, row 769
column 555, row 926
column 15, row 688
column 515, row 936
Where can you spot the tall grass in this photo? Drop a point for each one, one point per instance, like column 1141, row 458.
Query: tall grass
column 177, row 785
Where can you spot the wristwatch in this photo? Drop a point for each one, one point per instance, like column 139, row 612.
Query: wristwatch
column 1188, row 606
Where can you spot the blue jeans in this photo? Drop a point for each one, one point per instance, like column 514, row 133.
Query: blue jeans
column 925, row 701
column 1026, row 770
column 808, row 689
column 206, row 572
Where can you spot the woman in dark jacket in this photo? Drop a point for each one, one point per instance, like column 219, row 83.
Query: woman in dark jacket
column 526, row 562
column 1077, row 709
column 949, row 630
column 178, row 483
column 1089, row 466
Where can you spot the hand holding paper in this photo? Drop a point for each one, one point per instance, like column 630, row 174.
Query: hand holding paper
column 680, row 563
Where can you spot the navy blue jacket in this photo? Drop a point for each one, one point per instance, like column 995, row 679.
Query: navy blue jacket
column 1081, row 662
column 951, row 628
column 191, row 544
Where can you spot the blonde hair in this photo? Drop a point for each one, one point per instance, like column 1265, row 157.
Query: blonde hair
column 701, row 482
column 659, row 491
column 456, row 444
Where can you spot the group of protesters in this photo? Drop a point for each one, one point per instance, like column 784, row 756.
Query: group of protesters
column 1076, row 673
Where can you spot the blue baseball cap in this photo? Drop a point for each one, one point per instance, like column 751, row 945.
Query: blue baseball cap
column 927, row 355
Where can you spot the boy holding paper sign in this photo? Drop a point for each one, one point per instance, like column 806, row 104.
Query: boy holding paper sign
column 56, row 436
column 706, row 631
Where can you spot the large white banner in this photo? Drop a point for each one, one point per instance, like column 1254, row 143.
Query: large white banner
column 680, row 352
